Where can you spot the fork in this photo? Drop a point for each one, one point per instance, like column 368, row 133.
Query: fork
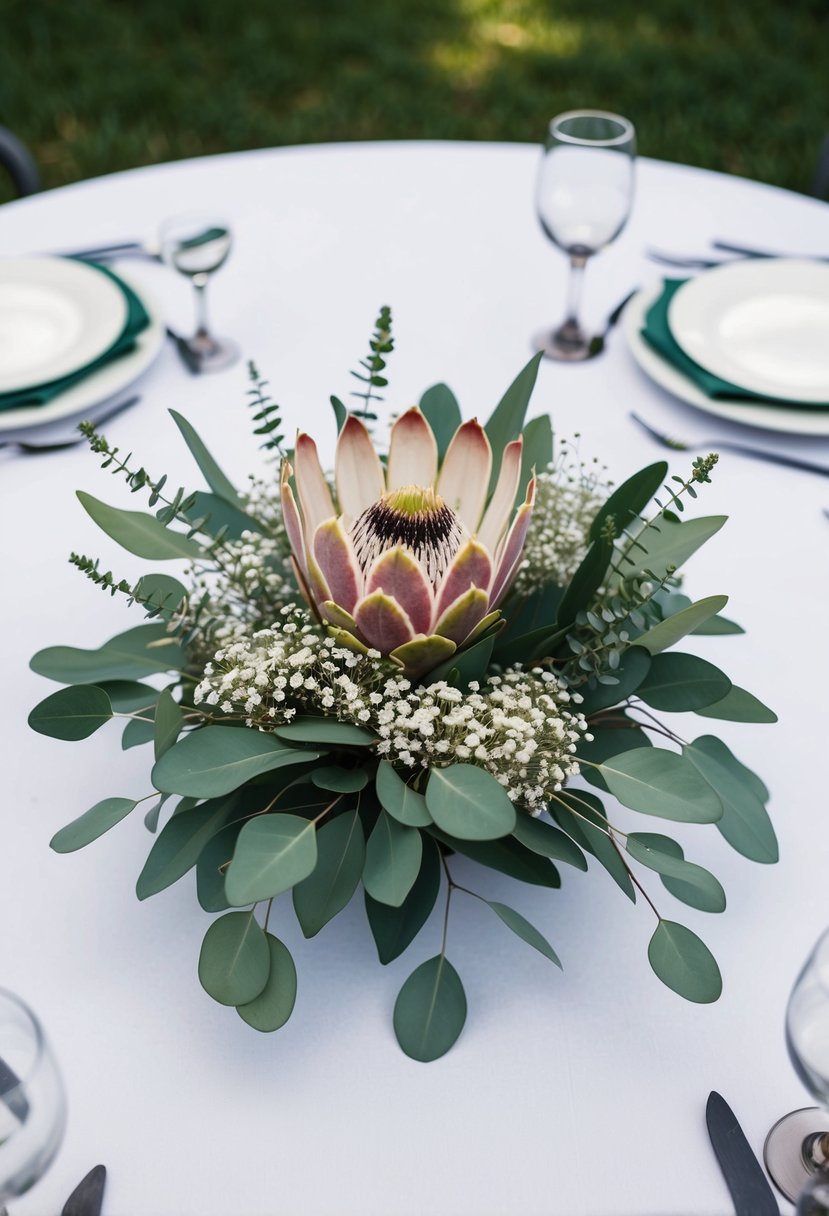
column 69, row 441
column 681, row 445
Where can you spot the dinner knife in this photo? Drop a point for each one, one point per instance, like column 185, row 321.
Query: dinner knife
column 88, row 1196
column 749, row 1187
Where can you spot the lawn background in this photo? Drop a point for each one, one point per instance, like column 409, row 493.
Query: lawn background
column 99, row 85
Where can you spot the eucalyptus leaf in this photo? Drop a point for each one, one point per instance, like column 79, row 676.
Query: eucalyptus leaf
column 340, row 412
column 680, row 682
column 718, row 625
column 129, row 696
column 275, row 1003
column 327, row 731
column 394, row 929
column 273, row 853
column 507, row 419
column 179, row 844
column 715, row 748
column 140, row 533
column 468, row 803
column 690, row 883
column 392, row 861
column 441, row 410
column 547, row 840
column 582, row 816
column 658, row 782
column 235, row 961
column 523, row 929
column 537, row 452
column 659, row 552
column 160, row 592
column 608, row 741
column 745, row 822
column 169, row 720
column 138, row 731
column 339, row 780
column 341, row 855
column 674, row 628
column 213, row 475
column 629, row 499
column 738, row 706
column 137, row 653
column 152, row 816
column 632, row 670
column 213, row 860
column 71, row 713
column 399, row 799
column 684, row 963
column 221, row 516
column 507, row 856
column 584, row 584
column 430, row 1010
column 92, row 824
column 217, row 759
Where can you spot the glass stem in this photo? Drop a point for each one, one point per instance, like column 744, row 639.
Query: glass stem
column 577, row 265
column 200, row 284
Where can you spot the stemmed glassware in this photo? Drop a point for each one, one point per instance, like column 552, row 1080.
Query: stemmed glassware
column 32, row 1102
column 197, row 246
column 583, row 197
column 797, row 1147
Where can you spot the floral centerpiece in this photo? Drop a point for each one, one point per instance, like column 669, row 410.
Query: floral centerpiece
column 368, row 673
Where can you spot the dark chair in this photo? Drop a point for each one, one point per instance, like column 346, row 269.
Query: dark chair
column 820, row 182
column 16, row 158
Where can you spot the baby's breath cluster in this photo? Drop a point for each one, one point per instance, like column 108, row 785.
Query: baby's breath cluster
column 522, row 727
column 568, row 494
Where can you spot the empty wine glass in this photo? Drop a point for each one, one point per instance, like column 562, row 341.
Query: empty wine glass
column 583, row 197
column 197, row 246
column 797, row 1147
column 32, row 1102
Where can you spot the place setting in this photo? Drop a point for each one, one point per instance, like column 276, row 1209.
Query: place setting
column 76, row 335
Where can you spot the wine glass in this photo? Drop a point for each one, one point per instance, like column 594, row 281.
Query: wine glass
column 32, row 1101
column 197, row 246
column 584, row 193
column 797, row 1147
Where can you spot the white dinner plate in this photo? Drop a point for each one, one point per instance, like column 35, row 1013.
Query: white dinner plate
column 784, row 418
column 93, row 393
column 761, row 323
column 56, row 316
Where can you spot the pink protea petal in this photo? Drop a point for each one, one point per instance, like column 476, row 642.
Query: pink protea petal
column 315, row 500
column 413, row 452
column 346, row 638
column 335, row 558
column 400, row 575
column 358, row 472
column 319, row 589
column 290, row 514
column 464, row 478
column 382, row 622
column 302, row 582
column 496, row 516
column 333, row 614
column 422, row 655
column 471, row 567
column 510, row 555
column 460, row 618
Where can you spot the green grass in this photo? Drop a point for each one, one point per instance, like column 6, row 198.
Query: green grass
column 98, row 85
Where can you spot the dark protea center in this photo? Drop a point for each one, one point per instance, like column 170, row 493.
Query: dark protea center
column 416, row 518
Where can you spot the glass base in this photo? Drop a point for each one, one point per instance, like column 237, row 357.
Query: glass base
column 204, row 353
column 787, row 1149
column 569, row 343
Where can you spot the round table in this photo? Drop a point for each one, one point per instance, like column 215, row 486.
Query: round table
column 582, row 1092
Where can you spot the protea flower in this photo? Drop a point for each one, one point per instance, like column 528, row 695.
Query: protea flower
column 412, row 561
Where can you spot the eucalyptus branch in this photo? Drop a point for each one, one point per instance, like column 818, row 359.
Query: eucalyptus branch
column 175, row 508
column 701, row 468
column 635, row 880
column 268, row 414
column 107, row 582
column 381, row 343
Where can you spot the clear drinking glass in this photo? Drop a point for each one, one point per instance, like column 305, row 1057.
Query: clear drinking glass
column 32, row 1101
column 797, row 1147
column 197, row 246
column 583, row 197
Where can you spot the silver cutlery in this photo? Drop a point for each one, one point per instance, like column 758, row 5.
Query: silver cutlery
column 54, row 443
column 189, row 359
column 744, row 1177
column 681, row 445
column 597, row 343
column 88, row 1196
column 747, row 251
column 682, row 262
column 116, row 249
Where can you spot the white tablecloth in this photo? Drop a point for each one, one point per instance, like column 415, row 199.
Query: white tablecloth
column 573, row 1094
